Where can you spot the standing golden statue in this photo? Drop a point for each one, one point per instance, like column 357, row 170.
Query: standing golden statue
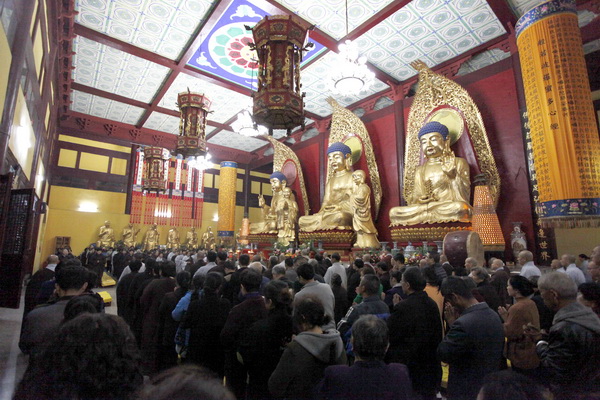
column 129, row 234
column 191, row 238
column 173, row 239
column 441, row 185
column 151, row 238
column 362, row 221
column 106, row 236
column 287, row 215
column 268, row 224
column 336, row 209
column 208, row 239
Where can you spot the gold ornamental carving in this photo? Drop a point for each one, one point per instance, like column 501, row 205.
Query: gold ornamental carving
column 330, row 236
column 436, row 92
column 432, row 233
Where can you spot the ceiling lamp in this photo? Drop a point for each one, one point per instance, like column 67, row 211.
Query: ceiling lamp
column 154, row 177
column 350, row 74
column 199, row 162
column 245, row 126
column 279, row 41
column 193, row 108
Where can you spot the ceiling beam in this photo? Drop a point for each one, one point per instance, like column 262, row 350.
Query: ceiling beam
column 504, row 13
column 108, row 95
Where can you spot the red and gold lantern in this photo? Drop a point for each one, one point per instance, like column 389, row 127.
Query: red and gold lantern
column 279, row 41
column 193, row 108
column 155, row 163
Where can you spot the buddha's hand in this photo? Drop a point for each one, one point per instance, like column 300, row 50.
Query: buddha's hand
column 331, row 208
column 448, row 165
column 425, row 199
column 261, row 200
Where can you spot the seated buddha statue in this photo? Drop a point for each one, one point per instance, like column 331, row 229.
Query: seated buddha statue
column 336, row 210
column 442, row 186
column 268, row 224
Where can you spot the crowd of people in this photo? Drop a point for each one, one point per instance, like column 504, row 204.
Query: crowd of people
column 213, row 325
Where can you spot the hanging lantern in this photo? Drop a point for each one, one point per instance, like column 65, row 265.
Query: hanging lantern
column 155, row 176
column 279, row 41
column 193, row 108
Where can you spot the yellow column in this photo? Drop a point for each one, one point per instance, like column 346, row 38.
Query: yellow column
column 226, row 205
column 564, row 135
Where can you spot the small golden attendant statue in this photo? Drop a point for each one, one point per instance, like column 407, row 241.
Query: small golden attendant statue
column 287, row 215
column 151, row 238
column 442, row 186
column 336, row 210
column 173, row 239
column 129, row 234
column 106, row 237
column 362, row 222
column 269, row 213
column 191, row 238
column 208, row 239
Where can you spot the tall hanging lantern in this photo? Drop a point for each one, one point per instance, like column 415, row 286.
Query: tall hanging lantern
column 155, row 177
column 193, row 108
column 485, row 220
column 279, row 41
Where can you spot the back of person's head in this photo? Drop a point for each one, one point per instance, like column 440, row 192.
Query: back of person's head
column 359, row 263
column 211, row 256
column 522, row 284
column 309, row 313
column 435, row 256
column 198, row 282
column 250, row 280
column 184, row 280
column 151, row 265
column 69, row 262
column 457, row 286
column 510, row 385
column 222, row 256
column 185, row 382
column 367, row 270
column 430, row 276
column 70, row 367
column 382, row 265
column 71, row 277
column 278, row 270
column 306, row 271
column 336, row 280
column 273, row 260
column 257, row 266
column 279, row 294
column 229, row 265
column 370, row 284
column 560, row 283
column 370, row 338
column 336, row 257
column 244, row 260
column 212, row 283
column 480, row 273
column 319, row 258
column 397, row 275
column 289, row 262
column 526, row 255
column 590, row 291
column 399, row 258
column 313, row 262
column 135, row 265
column 414, row 277
column 168, row 269
column 85, row 303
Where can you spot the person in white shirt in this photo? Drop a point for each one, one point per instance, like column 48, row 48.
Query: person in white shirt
column 528, row 269
column 567, row 261
column 336, row 268
column 211, row 257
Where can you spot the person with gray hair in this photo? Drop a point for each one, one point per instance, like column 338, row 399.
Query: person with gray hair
column 528, row 268
column 470, row 263
column 567, row 262
column 369, row 376
column 484, row 288
column 570, row 353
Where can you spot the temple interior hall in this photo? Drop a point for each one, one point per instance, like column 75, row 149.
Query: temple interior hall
column 154, row 122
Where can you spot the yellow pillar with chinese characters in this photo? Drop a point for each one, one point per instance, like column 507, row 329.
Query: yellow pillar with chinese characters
column 564, row 134
column 226, row 205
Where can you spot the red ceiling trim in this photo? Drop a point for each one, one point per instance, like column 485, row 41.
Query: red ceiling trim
column 504, row 13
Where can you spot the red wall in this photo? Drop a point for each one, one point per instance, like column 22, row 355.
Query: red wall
column 310, row 160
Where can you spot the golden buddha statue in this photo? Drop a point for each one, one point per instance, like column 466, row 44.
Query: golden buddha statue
column 441, row 185
column 173, row 239
column 106, row 236
column 336, row 210
column 129, row 234
column 287, row 215
column 362, row 221
column 268, row 224
column 191, row 238
column 208, row 239
column 151, row 238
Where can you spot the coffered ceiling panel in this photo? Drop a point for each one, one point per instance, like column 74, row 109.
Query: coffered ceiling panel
column 115, row 71
column 162, row 26
column 104, row 108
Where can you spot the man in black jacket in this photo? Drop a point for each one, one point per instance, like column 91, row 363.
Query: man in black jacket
column 415, row 332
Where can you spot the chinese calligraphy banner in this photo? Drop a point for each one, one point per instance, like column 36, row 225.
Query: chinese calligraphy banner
column 564, row 134
column 227, row 190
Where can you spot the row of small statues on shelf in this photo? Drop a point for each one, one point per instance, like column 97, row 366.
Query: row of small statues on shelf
column 441, row 194
column 151, row 239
